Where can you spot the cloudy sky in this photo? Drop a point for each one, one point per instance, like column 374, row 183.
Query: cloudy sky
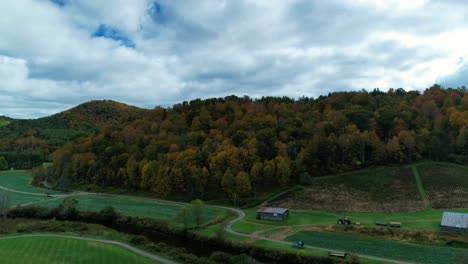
column 55, row 54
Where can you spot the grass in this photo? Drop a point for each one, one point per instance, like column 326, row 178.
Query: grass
column 15, row 199
column 135, row 207
column 211, row 230
column 4, row 122
column 42, row 250
column 421, row 190
column 20, row 181
column 376, row 247
column 425, row 220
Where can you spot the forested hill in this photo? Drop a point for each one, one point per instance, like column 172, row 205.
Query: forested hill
column 27, row 141
column 239, row 144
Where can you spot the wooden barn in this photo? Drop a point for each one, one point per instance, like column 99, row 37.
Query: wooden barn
column 454, row 222
column 271, row 213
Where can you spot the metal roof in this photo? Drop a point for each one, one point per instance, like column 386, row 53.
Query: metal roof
column 272, row 210
column 458, row 220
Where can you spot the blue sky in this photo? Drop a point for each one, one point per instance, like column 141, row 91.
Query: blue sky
column 55, row 54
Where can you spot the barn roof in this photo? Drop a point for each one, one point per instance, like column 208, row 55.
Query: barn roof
column 458, row 220
column 272, row 210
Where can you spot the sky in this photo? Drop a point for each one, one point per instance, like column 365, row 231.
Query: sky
column 55, row 54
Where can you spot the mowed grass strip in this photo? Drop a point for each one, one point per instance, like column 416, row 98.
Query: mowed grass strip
column 45, row 250
column 135, row 207
column 380, row 248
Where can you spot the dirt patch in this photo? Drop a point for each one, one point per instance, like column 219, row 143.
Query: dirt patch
column 340, row 198
column 448, row 198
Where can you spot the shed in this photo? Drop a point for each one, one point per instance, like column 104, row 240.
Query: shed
column 271, row 213
column 454, row 222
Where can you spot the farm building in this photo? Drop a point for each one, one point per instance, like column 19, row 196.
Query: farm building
column 454, row 222
column 270, row 213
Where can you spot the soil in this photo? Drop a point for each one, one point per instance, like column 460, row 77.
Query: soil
column 341, row 198
column 445, row 199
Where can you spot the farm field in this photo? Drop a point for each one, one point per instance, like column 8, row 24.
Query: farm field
column 134, row 207
column 446, row 185
column 45, row 250
column 300, row 224
column 382, row 189
column 425, row 220
column 381, row 248
column 20, row 181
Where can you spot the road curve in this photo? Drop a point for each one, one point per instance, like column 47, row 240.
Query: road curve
column 227, row 228
column 120, row 244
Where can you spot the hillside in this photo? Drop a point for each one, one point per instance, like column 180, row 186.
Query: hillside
column 380, row 189
column 241, row 145
column 4, row 120
column 31, row 140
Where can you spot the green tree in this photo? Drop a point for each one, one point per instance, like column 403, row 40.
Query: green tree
column 243, row 186
column 133, row 172
column 228, row 181
column 256, row 174
column 183, row 217
column 197, row 208
column 149, row 173
column 283, row 172
column 268, row 171
column 3, row 163
column 67, row 209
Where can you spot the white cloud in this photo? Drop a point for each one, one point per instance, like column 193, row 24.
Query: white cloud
column 49, row 59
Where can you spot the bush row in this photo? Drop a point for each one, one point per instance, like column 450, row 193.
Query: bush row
column 150, row 232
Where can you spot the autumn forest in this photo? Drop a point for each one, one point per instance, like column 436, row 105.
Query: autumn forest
column 238, row 145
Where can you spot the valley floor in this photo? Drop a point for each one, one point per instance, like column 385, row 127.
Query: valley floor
column 315, row 227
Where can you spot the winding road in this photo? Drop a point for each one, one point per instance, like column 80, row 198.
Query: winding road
column 228, row 228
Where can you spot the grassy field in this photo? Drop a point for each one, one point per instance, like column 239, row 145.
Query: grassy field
column 135, row 207
column 425, row 220
column 381, row 248
column 446, row 184
column 42, row 250
column 382, row 189
column 20, row 181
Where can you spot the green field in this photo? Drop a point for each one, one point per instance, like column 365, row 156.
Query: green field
column 446, row 184
column 45, row 250
column 20, row 181
column 381, row 248
column 425, row 220
column 135, row 207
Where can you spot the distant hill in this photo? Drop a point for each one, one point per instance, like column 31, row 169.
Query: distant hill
column 4, row 120
column 36, row 138
column 236, row 145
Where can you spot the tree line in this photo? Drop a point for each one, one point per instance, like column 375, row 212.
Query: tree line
column 238, row 145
